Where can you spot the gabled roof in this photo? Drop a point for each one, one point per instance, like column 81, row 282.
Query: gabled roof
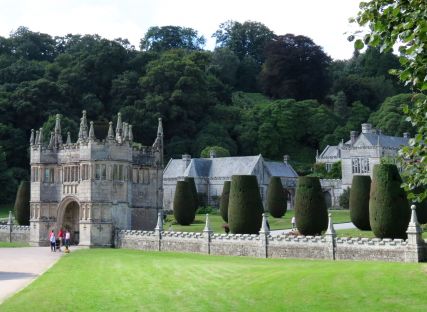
column 280, row 169
column 225, row 167
column 330, row 151
column 374, row 139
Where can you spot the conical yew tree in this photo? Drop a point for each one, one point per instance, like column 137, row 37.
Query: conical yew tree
column 311, row 213
column 276, row 198
column 223, row 204
column 245, row 206
column 389, row 211
column 359, row 202
column 421, row 207
column 22, row 203
column 183, row 204
column 193, row 188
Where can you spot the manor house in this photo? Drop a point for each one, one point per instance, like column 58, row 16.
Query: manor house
column 211, row 173
column 359, row 155
column 93, row 186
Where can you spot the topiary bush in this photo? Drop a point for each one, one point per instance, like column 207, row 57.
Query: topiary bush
column 183, row 204
column 276, row 198
column 245, row 206
column 359, row 202
column 389, row 211
column 192, row 184
column 22, row 203
column 311, row 213
column 223, row 204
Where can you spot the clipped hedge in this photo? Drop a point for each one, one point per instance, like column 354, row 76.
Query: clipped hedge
column 276, row 198
column 389, row 211
column 193, row 188
column 421, row 207
column 22, row 203
column 183, row 204
column 223, row 204
column 311, row 213
column 245, row 206
column 359, row 202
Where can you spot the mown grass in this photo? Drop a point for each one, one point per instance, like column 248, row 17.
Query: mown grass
column 10, row 245
column 338, row 216
column 129, row 280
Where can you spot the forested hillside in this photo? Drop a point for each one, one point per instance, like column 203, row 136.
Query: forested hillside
column 257, row 92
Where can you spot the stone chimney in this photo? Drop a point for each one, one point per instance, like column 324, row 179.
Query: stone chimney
column 212, row 153
column 406, row 135
column 366, row 128
column 286, row 158
column 353, row 137
column 186, row 159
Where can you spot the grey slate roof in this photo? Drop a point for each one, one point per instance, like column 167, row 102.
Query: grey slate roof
column 280, row 169
column 330, row 151
column 384, row 140
column 224, row 167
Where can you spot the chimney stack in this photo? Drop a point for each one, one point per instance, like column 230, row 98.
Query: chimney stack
column 353, row 137
column 286, row 158
column 406, row 135
column 366, row 128
column 212, row 153
column 186, row 158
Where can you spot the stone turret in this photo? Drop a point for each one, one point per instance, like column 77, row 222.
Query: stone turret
column 119, row 128
column 92, row 137
column 83, row 128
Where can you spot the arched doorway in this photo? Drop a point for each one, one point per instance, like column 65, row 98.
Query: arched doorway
column 328, row 199
column 69, row 216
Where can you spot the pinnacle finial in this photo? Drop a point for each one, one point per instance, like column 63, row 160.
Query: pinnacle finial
column 159, row 225
column 83, row 127
column 32, row 137
column 37, row 139
column 52, row 140
column 110, row 135
column 130, row 133
column 119, row 127
column 91, row 132
column 41, row 136
column 125, row 131
column 68, row 138
column 331, row 230
column 264, row 225
column 10, row 219
column 160, row 128
column 207, row 224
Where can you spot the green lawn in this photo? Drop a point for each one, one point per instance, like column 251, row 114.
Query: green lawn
column 4, row 210
column 368, row 234
column 338, row 216
column 9, row 245
column 130, row 280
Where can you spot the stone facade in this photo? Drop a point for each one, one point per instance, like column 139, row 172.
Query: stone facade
column 264, row 245
column 211, row 173
column 94, row 186
column 362, row 152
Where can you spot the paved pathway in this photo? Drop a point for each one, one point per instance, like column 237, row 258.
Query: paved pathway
column 20, row 266
column 338, row 226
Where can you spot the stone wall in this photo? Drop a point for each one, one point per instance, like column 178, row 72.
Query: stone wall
column 281, row 246
column 264, row 245
column 14, row 233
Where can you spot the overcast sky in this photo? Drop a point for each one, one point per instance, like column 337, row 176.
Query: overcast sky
column 325, row 21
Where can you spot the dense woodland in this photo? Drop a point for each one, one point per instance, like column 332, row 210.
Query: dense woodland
column 257, row 92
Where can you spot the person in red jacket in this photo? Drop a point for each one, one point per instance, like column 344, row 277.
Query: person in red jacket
column 60, row 237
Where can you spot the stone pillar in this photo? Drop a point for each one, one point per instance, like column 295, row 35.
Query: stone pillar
column 207, row 233
column 416, row 247
column 264, row 232
column 159, row 229
column 330, row 237
column 10, row 224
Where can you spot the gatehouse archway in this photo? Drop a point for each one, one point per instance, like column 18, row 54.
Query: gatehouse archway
column 68, row 218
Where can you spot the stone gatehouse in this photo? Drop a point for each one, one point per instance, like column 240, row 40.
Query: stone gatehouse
column 94, row 186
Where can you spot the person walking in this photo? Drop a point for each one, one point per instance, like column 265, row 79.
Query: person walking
column 294, row 223
column 60, row 237
column 67, row 239
column 52, row 240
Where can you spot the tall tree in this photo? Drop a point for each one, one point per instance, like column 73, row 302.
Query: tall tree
column 405, row 23
column 295, row 67
column 247, row 39
column 164, row 38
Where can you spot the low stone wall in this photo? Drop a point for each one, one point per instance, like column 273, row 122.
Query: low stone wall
column 281, row 246
column 14, row 233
